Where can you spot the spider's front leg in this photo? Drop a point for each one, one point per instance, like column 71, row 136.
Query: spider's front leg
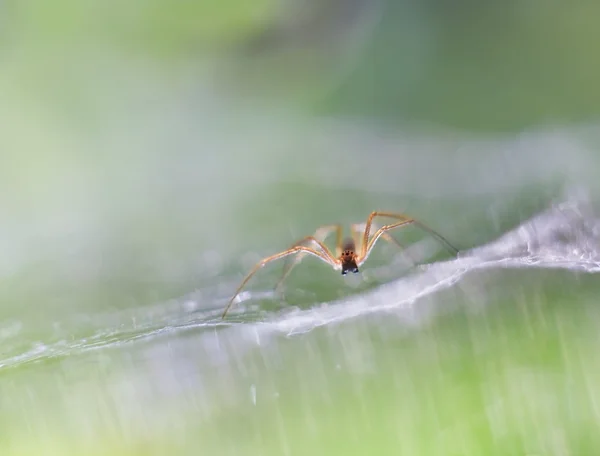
column 360, row 228
column 318, row 240
column 403, row 221
column 369, row 224
column 326, row 257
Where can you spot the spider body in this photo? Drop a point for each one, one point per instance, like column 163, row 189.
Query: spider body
column 349, row 254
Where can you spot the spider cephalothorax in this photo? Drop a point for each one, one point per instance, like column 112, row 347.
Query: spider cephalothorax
column 348, row 258
column 350, row 254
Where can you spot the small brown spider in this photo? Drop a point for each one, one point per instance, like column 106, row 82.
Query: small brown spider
column 346, row 258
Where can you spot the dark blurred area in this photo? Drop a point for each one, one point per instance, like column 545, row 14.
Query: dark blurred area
column 483, row 66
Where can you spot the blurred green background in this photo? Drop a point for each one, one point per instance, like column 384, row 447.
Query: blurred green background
column 152, row 151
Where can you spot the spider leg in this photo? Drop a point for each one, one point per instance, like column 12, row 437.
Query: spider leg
column 376, row 236
column 357, row 229
column 404, row 220
column 299, row 248
column 317, row 239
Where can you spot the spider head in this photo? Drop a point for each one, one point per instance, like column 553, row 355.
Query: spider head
column 348, row 260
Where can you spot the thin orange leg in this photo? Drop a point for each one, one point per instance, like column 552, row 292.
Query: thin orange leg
column 325, row 256
column 356, row 230
column 404, row 220
column 379, row 233
column 318, row 238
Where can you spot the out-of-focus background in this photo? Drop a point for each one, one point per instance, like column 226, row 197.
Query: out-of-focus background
column 152, row 151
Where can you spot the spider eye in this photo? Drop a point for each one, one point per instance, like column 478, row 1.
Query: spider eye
column 355, row 270
column 344, row 272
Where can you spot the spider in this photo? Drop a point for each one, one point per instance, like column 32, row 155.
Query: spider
column 350, row 254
